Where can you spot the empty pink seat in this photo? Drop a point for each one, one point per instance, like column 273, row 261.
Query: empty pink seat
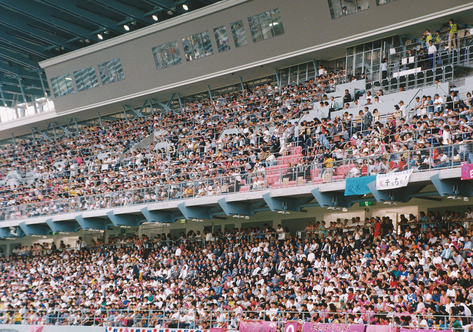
column 338, row 177
column 317, row 180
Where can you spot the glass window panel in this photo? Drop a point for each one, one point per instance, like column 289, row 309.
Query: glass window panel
column 239, row 34
column 293, row 76
column 283, row 76
column 311, row 71
column 222, row 39
column 166, row 55
column 266, row 25
column 255, row 28
column 111, row 71
column 86, row 78
column 207, row 44
column 339, row 8
column 277, row 22
column 197, row 46
column 62, row 85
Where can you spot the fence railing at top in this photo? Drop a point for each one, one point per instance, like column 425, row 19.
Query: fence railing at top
column 399, row 58
column 276, row 175
column 413, row 80
column 192, row 318
column 409, row 71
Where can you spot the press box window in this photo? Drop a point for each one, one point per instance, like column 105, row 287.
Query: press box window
column 62, row 85
column 166, row 55
column 197, row 46
column 111, row 71
column 266, row 25
column 222, row 39
column 339, row 8
column 86, row 79
column 239, row 34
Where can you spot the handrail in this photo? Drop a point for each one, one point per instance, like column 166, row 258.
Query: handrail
column 228, row 317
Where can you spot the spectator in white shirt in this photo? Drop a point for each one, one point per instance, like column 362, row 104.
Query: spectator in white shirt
column 432, row 52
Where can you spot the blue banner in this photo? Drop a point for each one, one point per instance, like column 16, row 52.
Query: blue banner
column 358, row 186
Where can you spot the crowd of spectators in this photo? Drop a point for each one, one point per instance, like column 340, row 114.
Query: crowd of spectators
column 417, row 274
column 200, row 160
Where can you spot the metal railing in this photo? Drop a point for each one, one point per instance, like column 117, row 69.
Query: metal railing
column 413, row 80
column 275, row 176
column 192, row 318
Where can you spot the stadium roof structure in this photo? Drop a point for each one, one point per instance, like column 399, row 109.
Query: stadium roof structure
column 36, row 30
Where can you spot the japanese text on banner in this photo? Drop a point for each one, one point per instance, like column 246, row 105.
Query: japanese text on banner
column 393, row 180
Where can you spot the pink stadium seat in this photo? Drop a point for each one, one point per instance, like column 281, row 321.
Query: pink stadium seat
column 318, row 180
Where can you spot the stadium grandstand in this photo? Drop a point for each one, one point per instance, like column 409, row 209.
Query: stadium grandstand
column 236, row 165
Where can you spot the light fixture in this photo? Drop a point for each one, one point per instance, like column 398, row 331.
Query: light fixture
column 241, row 216
column 466, row 199
column 344, row 209
column 126, row 27
column 185, row 7
column 155, row 17
column 170, row 12
column 87, row 40
column 99, row 36
column 284, row 212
